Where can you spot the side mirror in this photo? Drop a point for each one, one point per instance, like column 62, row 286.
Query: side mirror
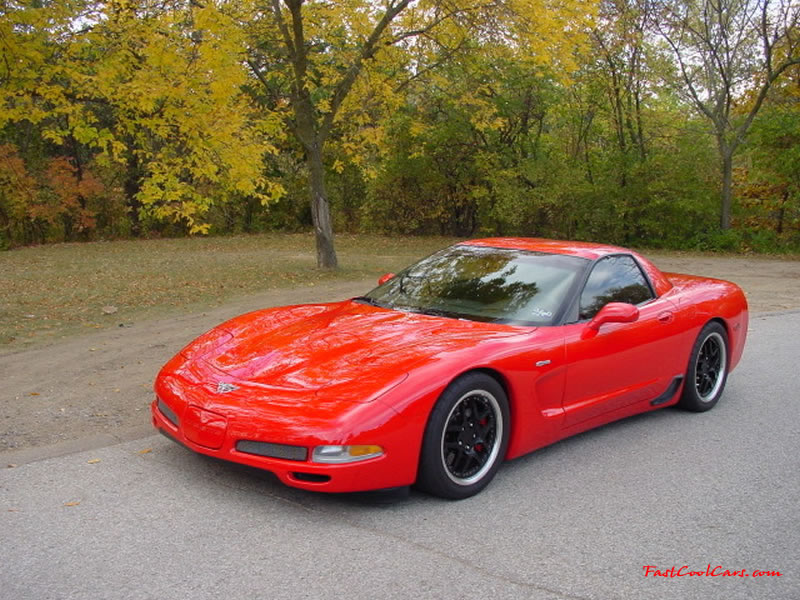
column 384, row 278
column 614, row 312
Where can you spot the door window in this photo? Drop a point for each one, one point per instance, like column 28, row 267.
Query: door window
column 613, row 279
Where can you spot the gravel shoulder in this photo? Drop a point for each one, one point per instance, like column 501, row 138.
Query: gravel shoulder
column 94, row 389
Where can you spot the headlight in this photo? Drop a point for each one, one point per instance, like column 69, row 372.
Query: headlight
column 344, row 454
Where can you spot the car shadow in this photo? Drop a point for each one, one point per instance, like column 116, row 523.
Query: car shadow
column 253, row 480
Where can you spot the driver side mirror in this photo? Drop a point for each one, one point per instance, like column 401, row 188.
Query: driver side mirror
column 613, row 312
column 384, row 278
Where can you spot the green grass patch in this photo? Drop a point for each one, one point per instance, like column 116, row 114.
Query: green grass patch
column 48, row 292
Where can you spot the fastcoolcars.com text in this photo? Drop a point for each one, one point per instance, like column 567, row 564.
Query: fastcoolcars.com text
column 709, row 571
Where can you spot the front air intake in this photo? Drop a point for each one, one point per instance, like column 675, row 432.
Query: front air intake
column 312, row 477
column 284, row 451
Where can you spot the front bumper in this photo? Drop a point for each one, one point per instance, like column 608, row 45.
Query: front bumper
column 215, row 434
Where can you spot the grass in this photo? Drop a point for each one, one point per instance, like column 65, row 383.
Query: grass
column 49, row 292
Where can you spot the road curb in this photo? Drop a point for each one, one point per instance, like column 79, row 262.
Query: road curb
column 101, row 440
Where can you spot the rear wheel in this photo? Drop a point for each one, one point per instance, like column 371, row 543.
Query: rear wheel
column 465, row 439
column 708, row 369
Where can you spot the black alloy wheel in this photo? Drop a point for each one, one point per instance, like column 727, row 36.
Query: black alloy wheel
column 466, row 437
column 708, row 369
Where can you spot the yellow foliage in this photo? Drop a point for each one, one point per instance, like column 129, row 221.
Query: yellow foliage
column 161, row 84
column 172, row 73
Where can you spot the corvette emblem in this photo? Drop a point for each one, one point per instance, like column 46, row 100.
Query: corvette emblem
column 224, row 388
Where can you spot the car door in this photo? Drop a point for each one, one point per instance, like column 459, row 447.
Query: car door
column 618, row 364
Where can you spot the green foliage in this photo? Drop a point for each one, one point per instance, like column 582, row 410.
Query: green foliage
column 762, row 241
column 770, row 179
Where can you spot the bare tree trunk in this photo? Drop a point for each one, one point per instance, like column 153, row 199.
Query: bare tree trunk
column 320, row 210
column 132, row 186
column 782, row 210
column 727, row 188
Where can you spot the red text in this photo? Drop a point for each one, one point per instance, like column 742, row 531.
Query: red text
column 709, row 571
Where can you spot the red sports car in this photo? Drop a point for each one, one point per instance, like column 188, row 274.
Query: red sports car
column 479, row 353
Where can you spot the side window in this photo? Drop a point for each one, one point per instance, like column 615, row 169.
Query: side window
column 613, row 279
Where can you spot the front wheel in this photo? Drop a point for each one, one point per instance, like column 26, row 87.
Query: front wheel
column 707, row 371
column 465, row 439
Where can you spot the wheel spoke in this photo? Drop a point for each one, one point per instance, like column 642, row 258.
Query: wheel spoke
column 461, row 462
column 482, row 411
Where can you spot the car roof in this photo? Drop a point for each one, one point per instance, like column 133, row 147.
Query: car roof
column 587, row 250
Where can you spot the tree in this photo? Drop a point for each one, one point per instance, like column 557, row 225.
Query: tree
column 619, row 40
column 154, row 87
column 723, row 48
column 771, row 178
column 325, row 48
column 18, row 190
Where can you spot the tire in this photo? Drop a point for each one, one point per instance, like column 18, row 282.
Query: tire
column 707, row 371
column 460, row 453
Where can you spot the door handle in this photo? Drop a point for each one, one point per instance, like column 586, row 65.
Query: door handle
column 665, row 317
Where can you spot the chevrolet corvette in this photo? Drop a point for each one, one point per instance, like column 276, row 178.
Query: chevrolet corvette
column 479, row 353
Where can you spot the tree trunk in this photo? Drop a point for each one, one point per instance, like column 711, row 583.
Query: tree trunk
column 727, row 189
column 132, row 186
column 782, row 210
column 320, row 210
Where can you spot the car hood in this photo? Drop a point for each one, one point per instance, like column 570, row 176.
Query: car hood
column 347, row 349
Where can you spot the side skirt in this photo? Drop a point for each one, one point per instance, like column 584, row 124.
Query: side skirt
column 669, row 392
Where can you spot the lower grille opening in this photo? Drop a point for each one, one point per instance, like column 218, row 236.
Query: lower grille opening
column 284, row 451
column 311, row 477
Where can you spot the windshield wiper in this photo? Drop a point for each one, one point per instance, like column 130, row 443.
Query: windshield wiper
column 367, row 300
column 435, row 312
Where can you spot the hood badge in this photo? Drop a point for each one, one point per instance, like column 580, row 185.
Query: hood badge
column 224, row 387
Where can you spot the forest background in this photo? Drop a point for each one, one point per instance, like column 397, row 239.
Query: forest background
column 655, row 123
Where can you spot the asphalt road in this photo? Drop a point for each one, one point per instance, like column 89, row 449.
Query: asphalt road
column 577, row 520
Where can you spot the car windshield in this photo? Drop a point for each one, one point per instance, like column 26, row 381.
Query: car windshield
column 484, row 284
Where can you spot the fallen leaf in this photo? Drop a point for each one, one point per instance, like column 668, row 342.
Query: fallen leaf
column 109, row 310
column 35, row 394
column 73, row 503
column 145, row 451
column 93, row 461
